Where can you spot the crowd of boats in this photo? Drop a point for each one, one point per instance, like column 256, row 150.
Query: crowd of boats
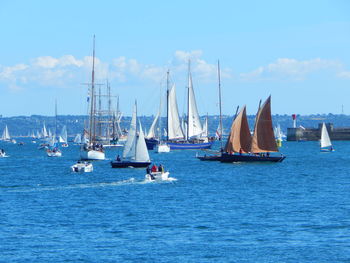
column 242, row 145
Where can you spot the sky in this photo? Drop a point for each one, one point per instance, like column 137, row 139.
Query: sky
column 296, row 51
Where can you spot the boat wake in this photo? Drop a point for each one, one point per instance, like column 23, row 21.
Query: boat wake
column 93, row 185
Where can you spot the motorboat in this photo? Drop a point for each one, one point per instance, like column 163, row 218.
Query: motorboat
column 80, row 166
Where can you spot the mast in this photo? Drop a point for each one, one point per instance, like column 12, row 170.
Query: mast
column 92, row 98
column 136, row 142
column 167, row 105
column 188, row 99
column 55, row 119
column 220, row 119
column 109, row 110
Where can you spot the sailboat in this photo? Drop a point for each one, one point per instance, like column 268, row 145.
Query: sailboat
column 242, row 147
column 135, row 153
column 64, row 137
column 6, row 135
column 92, row 150
column 53, row 150
column 326, row 145
column 278, row 135
column 177, row 138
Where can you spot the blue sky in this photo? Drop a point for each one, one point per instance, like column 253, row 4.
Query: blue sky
column 297, row 51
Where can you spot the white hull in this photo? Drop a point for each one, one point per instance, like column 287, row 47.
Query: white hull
column 157, row 176
column 112, row 145
column 163, row 148
column 82, row 167
column 92, row 155
column 3, row 155
column 54, row 154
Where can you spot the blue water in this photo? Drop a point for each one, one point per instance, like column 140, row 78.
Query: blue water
column 295, row 211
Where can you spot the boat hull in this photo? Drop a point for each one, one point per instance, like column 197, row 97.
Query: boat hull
column 157, row 176
column 92, row 155
column 151, row 143
column 189, row 146
column 163, row 148
column 209, row 158
column 232, row 158
column 82, row 167
column 127, row 164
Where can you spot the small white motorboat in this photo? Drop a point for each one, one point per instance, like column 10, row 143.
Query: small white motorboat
column 157, row 176
column 54, row 153
column 84, row 167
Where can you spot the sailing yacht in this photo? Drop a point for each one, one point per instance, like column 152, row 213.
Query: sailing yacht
column 135, row 153
column 242, row 147
column 64, row 137
column 92, row 150
column 326, row 145
column 6, row 135
column 191, row 138
column 53, row 150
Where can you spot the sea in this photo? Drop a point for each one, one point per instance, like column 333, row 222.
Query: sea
column 294, row 211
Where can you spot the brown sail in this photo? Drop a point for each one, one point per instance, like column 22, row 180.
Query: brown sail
column 240, row 138
column 264, row 138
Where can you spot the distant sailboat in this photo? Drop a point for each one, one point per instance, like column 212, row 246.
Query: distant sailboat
column 135, row 153
column 64, row 137
column 326, row 145
column 278, row 135
column 6, row 135
column 77, row 139
column 53, row 150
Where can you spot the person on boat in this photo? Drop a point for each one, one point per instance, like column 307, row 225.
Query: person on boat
column 118, row 158
column 240, row 151
column 161, row 168
column 154, row 168
column 268, row 154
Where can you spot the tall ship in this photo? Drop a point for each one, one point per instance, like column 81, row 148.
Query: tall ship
column 92, row 149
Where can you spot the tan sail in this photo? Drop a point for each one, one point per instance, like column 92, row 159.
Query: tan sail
column 263, row 138
column 239, row 139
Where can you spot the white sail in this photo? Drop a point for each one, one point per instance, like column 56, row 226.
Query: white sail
column 325, row 140
column 174, row 127
column 141, row 154
column 6, row 134
column 77, row 138
column 64, row 136
column 129, row 148
column 50, row 133
column 278, row 132
column 152, row 131
column 194, row 125
column 205, row 128
column 44, row 131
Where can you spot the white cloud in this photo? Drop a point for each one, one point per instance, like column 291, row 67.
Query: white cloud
column 287, row 68
column 344, row 75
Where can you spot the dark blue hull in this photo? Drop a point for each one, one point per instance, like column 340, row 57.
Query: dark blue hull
column 232, row 158
column 127, row 164
column 151, row 143
column 189, row 146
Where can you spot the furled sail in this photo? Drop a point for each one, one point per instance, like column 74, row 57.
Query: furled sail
column 263, row 137
column 129, row 148
column 194, row 124
column 325, row 140
column 239, row 138
column 174, row 126
column 141, row 154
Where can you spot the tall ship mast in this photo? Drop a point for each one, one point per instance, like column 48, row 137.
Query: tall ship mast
column 92, row 150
